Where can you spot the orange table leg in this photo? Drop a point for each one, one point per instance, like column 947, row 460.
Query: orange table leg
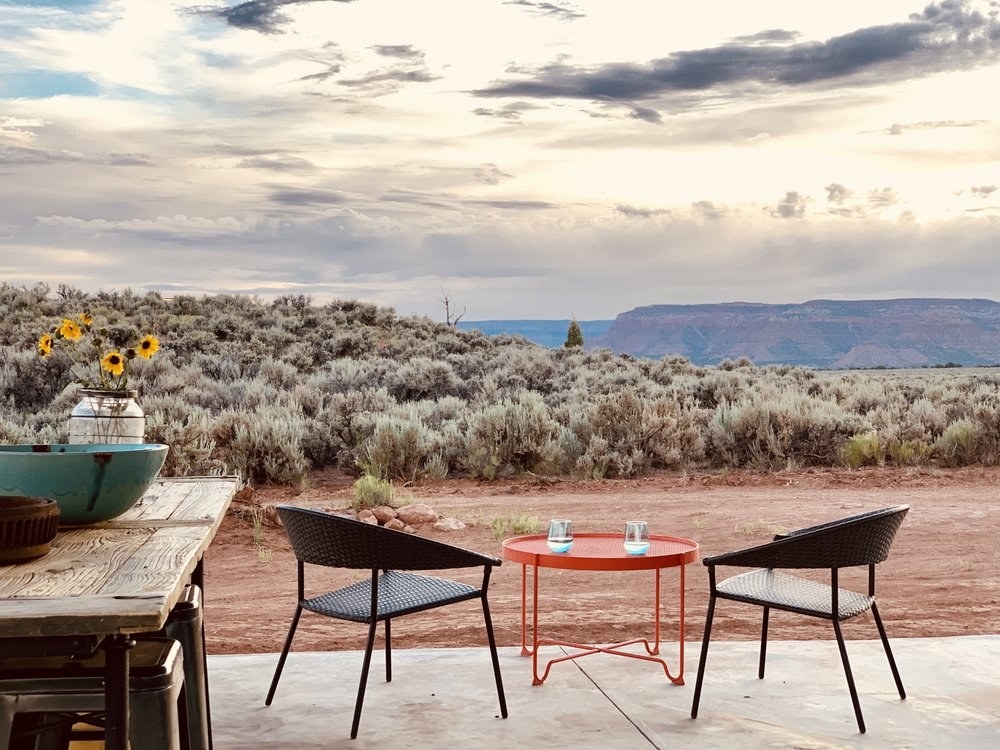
column 534, row 629
column 524, row 611
column 588, row 649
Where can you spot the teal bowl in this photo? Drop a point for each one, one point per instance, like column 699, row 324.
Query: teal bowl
column 90, row 482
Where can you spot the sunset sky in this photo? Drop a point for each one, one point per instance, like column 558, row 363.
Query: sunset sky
column 525, row 159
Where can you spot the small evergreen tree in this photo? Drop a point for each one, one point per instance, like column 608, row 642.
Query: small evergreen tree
column 574, row 336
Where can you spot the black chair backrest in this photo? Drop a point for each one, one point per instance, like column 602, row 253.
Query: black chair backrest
column 863, row 539
column 321, row 538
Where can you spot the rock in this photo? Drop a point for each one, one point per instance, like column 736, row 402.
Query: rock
column 367, row 516
column 395, row 524
column 449, row 524
column 384, row 514
column 416, row 514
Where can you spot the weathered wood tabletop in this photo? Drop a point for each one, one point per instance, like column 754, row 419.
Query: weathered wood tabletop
column 119, row 576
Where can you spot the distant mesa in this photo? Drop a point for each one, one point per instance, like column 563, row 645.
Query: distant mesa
column 821, row 334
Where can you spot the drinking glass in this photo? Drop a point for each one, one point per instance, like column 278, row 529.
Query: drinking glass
column 560, row 535
column 636, row 537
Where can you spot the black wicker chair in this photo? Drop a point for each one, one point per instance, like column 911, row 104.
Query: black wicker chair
column 859, row 540
column 320, row 538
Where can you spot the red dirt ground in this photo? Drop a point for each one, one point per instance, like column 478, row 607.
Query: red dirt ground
column 941, row 579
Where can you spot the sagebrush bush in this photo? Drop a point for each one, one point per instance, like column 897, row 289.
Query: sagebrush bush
column 510, row 437
column 371, row 491
column 863, row 450
column 398, row 448
column 957, row 445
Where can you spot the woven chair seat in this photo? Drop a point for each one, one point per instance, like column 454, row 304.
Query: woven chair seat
column 793, row 593
column 399, row 593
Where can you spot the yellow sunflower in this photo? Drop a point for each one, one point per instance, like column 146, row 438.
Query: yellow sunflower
column 70, row 329
column 86, row 318
column 148, row 347
column 45, row 344
column 114, row 363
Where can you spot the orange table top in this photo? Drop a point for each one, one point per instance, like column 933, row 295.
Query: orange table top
column 600, row 552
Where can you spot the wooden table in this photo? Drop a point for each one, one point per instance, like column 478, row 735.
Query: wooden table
column 599, row 552
column 117, row 577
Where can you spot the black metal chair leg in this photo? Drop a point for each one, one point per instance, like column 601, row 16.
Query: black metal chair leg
column 888, row 652
column 364, row 678
column 702, row 657
column 284, row 655
column 496, row 659
column 850, row 676
column 388, row 652
column 763, row 643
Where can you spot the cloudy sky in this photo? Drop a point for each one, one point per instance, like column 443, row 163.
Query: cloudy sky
column 523, row 159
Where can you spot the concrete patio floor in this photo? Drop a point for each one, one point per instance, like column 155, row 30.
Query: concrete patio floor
column 446, row 698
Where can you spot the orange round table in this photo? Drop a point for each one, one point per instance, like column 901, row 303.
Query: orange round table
column 598, row 552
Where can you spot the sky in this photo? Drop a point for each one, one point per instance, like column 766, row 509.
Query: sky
column 518, row 159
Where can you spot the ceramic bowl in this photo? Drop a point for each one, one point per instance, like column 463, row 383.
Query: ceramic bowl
column 90, row 482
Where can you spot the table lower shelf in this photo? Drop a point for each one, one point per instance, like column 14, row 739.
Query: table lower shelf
column 588, row 649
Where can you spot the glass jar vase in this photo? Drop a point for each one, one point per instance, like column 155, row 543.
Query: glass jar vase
column 107, row 416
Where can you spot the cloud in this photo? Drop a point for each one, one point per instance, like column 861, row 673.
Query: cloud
column 792, row 206
column 490, row 174
column 507, row 113
column 646, row 115
column 837, row 193
column 640, row 213
column 883, row 198
column 278, row 163
column 264, row 16
column 899, row 128
column 560, row 12
column 303, row 197
column 946, row 36
column 399, row 51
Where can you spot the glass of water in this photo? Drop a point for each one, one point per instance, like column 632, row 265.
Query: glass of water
column 560, row 535
column 636, row 537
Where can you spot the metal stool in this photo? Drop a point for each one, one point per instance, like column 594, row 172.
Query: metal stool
column 184, row 624
column 58, row 687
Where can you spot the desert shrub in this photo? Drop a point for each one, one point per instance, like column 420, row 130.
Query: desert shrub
column 335, row 435
column 957, row 444
column 504, row 526
column 279, row 374
column 344, row 375
column 512, row 436
column 264, row 445
column 423, row 378
column 865, row 449
column 371, row 491
column 12, row 432
column 718, row 387
column 984, row 411
column 397, row 449
column 907, row 452
column 622, row 436
column 865, row 395
column 29, row 382
column 775, row 430
column 187, row 430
